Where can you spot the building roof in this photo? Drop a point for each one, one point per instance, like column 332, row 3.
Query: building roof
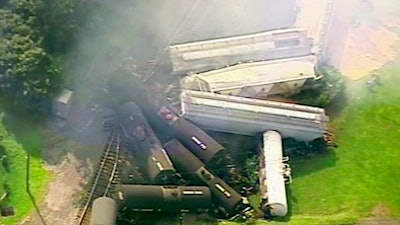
column 258, row 73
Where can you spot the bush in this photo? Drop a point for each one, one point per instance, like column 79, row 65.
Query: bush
column 295, row 149
column 323, row 91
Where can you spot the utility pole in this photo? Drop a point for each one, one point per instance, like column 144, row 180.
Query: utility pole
column 27, row 173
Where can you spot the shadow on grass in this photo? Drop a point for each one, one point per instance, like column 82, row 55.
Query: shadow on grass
column 36, row 207
column 314, row 163
column 27, row 182
column 4, row 159
column 336, row 106
column 290, row 200
column 302, row 167
column 26, row 130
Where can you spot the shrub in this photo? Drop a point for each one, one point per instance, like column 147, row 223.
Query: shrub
column 323, row 91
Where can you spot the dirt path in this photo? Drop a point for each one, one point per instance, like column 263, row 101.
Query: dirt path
column 58, row 207
column 379, row 222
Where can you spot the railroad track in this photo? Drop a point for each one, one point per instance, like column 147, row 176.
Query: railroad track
column 104, row 177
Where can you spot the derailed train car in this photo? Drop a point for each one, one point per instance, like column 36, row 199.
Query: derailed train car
column 104, row 211
column 165, row 120
column 145, row 146
column 228, row 201
column 196, row 140
column 207, row 55
column 273, row 175
column 166, row 199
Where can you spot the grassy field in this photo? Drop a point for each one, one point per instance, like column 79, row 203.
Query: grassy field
column 19, row 138
column 361, row 178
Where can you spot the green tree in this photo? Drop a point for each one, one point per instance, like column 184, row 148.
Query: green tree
column 54, row 21
column 28, row 75
column 323, row 91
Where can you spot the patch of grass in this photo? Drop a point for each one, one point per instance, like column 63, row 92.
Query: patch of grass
column 21, row 137
column 342, row 219
column 366, row 173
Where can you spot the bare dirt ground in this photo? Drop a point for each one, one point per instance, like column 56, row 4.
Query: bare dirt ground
column 379, row 216
column 70, row 151
column 379, row 222
column 363, row 36
column 58, row 206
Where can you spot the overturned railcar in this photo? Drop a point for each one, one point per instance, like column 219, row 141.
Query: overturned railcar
column 143, row 143
column 194, row 138
column 229, row 202
column 273, row 175
column 104, row 211
column 166, row 199
column 248, row 116
column 165, row 120
column 207, row 55
column 200, row 143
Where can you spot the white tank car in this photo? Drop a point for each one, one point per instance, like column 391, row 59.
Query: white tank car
column 272, row 177
column 104, row 211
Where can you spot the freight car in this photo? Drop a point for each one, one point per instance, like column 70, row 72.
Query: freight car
column 273, row 174
column 196, row 140
column 207, row 55
column 145, row 146
column 167, row 199
column 228, row 201
column 164, row 120
column 104, row 211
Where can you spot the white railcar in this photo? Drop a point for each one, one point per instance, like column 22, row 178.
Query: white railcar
column 282, row 76
column 216, row 53
column 272, row 175
column 248, row 116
